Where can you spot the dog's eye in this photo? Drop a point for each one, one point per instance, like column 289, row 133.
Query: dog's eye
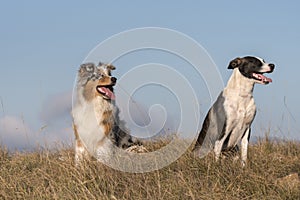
column 99, row 76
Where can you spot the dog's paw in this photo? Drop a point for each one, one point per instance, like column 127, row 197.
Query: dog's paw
column 137, row 149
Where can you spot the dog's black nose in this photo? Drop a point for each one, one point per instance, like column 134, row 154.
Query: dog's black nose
column 113, row 79
column 272, row 66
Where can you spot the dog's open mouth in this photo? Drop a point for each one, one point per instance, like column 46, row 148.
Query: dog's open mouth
column 106, row 91
column 261, row 78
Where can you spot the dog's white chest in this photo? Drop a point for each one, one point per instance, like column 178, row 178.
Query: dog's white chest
column 87, row 118
column 240, row 112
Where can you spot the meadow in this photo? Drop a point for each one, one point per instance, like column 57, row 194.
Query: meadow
column 45, row 174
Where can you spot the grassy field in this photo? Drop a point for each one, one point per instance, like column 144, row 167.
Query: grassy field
column 52, row 175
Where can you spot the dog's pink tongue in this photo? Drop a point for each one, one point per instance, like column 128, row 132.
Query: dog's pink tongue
column 264, row 78
column 107, row 93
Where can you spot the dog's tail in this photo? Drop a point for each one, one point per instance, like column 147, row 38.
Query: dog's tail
column 203, row 132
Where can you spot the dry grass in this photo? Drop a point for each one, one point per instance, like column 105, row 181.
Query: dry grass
column 52, row 175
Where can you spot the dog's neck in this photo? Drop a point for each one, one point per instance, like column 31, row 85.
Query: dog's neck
column 240, row 84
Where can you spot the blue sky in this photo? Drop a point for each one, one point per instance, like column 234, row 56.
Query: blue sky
column 44, row 42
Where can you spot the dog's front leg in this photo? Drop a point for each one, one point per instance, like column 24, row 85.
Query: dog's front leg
column 80, row 151
column 218, row 149
column 244, row 145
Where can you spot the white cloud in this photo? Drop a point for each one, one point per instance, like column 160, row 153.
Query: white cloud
column 16, row 134
column 56, row 107
column 55, row 137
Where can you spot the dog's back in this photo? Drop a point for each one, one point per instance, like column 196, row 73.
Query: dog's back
column 212, row 128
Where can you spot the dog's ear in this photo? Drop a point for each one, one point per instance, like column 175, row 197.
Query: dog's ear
column 87, row 67
column 100, row 63
column 235, row 63
column 111, row 67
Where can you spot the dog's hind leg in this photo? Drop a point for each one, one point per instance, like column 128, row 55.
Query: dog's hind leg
column 244, row 146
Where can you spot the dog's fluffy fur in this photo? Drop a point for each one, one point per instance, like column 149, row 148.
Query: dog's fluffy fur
column 229, row 119
column 97, row 127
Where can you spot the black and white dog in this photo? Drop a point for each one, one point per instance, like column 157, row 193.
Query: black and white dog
column 229, row 120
